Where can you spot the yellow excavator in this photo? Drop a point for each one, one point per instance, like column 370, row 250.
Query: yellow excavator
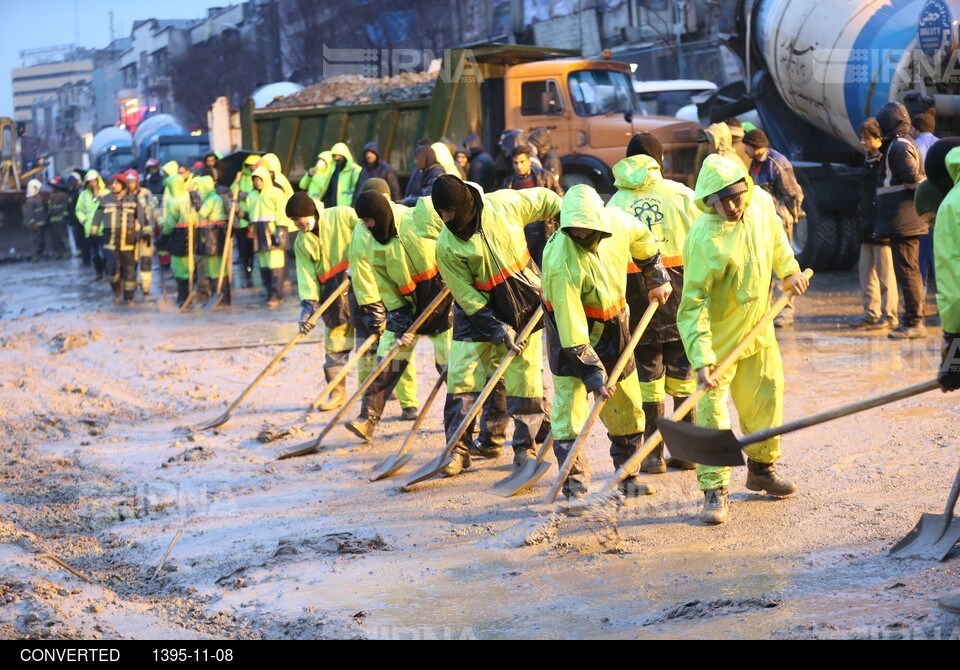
column 13, row 185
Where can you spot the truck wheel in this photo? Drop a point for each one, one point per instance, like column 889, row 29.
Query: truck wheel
column 571, row 179
column 815, row 241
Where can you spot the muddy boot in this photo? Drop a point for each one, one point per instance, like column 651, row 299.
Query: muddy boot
column 523, row 454
column 128, row 296
column 338, row 394
column 764, row 477
column 579, row 478
column 226, row 292
column 183, row 291
column 480, row 450
column 98, row 268
column 653, row 464
column 527, row 416
column 410, row 414
column 633, row 487
column 115, row 285
column 715, row 507
column 691, row 418
column 362, row 428
column 459, row 461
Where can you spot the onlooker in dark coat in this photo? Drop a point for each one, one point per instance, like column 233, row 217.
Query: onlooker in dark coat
column 376, row 168
column 900, row 173
column 482, row 169
column 430, row 169
column 924, row 125
column 877, row 278
column 540, row 139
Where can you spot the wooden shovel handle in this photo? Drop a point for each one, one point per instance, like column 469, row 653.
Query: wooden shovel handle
column 342, row 374
column 491, row 382
column 311, row 447
column 614, row 378
column 296, row 338
column 654, row 440
column 227, row 245
column 423, row 413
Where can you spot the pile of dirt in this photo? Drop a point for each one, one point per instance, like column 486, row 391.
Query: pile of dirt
column 698, row 609
column 351, row 89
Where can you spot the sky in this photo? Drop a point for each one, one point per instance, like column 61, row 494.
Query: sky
column 30, row 24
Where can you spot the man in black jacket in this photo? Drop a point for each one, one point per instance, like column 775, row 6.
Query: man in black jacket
column 901, row 171
column 376, row 168
column 482, row 170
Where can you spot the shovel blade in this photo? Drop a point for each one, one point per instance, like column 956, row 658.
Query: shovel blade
column 213, row 303
column 696, row 444
column 216, row 423
column 390, row 467
column 429, row 471
column 928, row 541
column 166, row 304
column 527, row 475
column 304, row 449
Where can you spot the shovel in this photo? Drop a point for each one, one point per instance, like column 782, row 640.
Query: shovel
column 934, row 535
column 722, row 448
column 598, row 501
column 614, row 377
column 313, row 446
column 527, row 475
column 434, row 467
column 165, row 302
column 342, row 374
column 223, row 418
column 392, row 464
column 225, row 259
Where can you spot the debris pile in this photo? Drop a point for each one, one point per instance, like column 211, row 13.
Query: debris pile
column 352, row 89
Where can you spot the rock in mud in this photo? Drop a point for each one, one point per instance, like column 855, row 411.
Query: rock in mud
column 192, row 454
column 348, row 543
column 698, row 609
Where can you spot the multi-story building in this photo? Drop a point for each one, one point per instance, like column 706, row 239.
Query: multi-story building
column 44, row 79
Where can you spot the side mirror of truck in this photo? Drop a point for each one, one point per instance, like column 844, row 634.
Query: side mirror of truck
column 628, row 117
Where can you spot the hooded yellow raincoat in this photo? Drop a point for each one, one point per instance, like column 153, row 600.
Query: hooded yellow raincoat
column 726, row 287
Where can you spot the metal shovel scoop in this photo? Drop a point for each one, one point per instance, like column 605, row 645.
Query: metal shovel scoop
column 935, row 535
column 722, row 448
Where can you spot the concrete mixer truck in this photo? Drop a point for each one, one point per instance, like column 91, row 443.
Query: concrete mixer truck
column 111, row 151
column 815, row 69
column 164, row 138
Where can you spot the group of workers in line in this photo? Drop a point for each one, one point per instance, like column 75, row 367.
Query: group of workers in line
column 705, row 256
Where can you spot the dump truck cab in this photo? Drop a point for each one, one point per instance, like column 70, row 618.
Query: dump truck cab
column 591, row 110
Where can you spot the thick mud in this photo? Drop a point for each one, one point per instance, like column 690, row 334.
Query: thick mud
column 102, row 466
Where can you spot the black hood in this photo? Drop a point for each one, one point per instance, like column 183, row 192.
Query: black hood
column 540, row 139
column 372, row 205
column 934, row 166
column 474, row 145
column 450, row 192
column 894, row 120
column 424, row 157
column 375, row 148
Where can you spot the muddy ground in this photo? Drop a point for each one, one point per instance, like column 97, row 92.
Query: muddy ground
column 101, row 469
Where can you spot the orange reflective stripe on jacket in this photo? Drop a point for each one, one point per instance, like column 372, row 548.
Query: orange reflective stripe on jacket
column 505, row 274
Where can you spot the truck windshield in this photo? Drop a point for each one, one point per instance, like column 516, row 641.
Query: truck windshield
column 596, row 92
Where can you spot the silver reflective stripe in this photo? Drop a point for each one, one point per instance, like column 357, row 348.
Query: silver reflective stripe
column 884, row 190
column 264, row 219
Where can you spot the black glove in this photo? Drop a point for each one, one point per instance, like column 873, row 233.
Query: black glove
column 508, row 338
column 146, row 237
column 587, row 365
column 399, row 320
column 950, row 370
column 195, row 199
column 307, row 308
column 494, row 329
column 372, row 317
column 277, row 239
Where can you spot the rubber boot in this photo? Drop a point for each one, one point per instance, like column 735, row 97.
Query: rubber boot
column 98, row 267
column 691, row 418
column 266, row 279
column 575, row 485
column 764, row 477
column 455, row 410
column 183, row 291
column 527, row 416
column 622, row 447
column 493, row 424
column 146, row 281
column 278, row 282
column 653, row 464
column 128, row 295
column 715, row 507
column 115, row 285
column 338, row 394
